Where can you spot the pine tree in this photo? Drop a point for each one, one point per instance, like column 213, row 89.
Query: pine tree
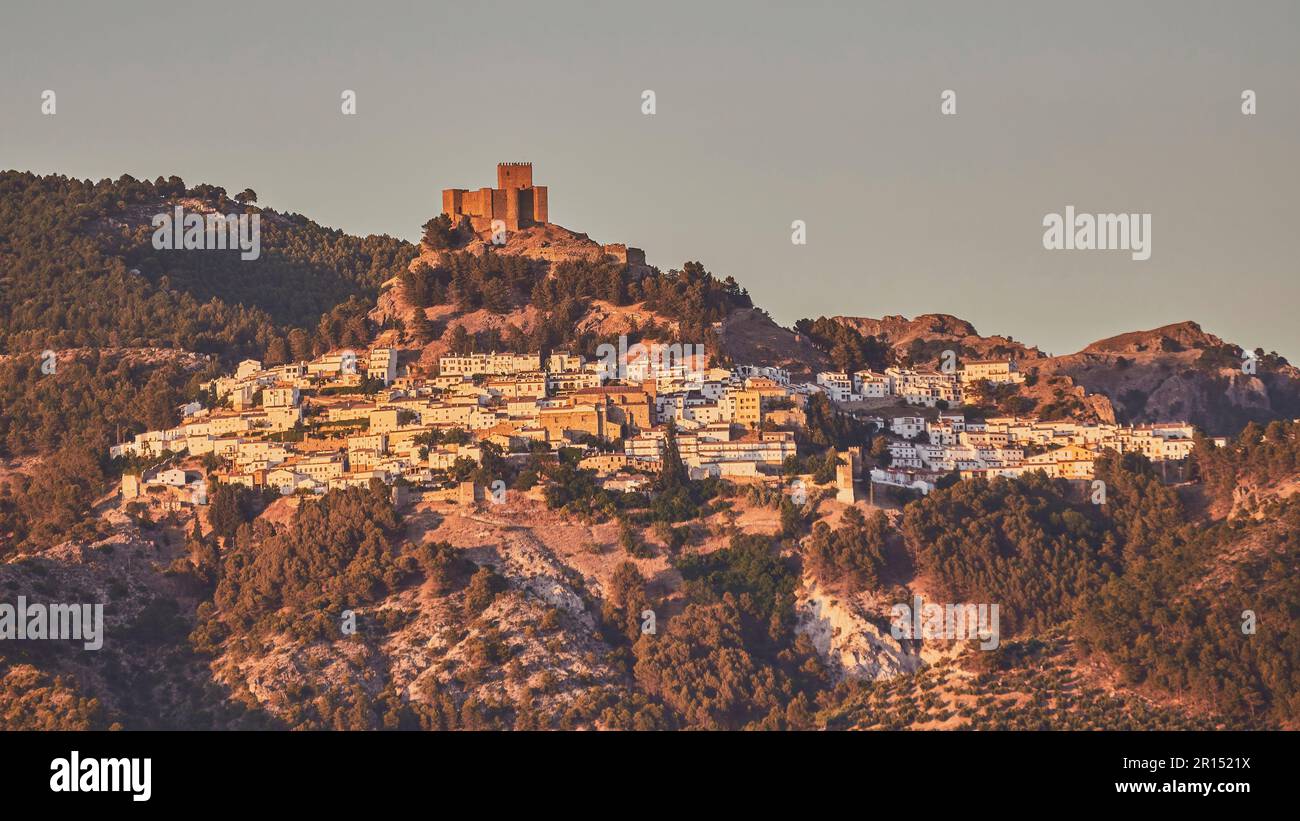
column 460, row 341
column 672, row 471
column 277, row 352
column 419, row 327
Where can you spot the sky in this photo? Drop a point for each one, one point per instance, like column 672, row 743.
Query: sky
column 829, row 113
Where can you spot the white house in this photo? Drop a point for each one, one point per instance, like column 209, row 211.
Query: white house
column 837, row 385
column 870, row 385
column 908, row 427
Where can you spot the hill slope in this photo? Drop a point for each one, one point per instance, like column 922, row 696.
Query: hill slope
column 1177, row 371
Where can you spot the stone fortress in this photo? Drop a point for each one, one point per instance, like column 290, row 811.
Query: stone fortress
column 515, row 201
column 519, row 204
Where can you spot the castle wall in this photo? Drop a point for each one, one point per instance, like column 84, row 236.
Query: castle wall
column 497, row 196
column 623, row 253
column 512, row 208
column 479, row 203
column 452, row 201
column 539, row 204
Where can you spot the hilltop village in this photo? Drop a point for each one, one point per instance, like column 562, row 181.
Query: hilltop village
column 351, row 417
column 377, row 485
column 348, row 418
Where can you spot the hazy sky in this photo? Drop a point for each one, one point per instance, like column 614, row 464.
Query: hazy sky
column 829, row 113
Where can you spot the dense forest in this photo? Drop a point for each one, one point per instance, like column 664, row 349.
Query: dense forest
column 1208, row 612
column 1260, row 456
column 339, row 552
column 848, row 347
column 692, row 298
column 79, row 269
column 80, row 278
column 1160, row 594
column 1190, row 622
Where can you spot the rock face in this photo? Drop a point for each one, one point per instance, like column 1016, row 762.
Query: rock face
column 848, row 638
column 436, row 653
column 552, row 243
column 1180, row 372
column 144, row 673
column 899, row 330
column 852, row 635
column 439, row 651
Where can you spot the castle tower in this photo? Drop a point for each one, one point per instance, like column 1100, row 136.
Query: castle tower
column 514, row 175
column 844, row 490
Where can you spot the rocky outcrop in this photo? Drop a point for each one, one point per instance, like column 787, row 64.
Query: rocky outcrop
column 847, row 633
column 900, row 333
column 1179, row 336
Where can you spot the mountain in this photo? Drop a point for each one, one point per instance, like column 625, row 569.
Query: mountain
column 926, row 332
column 1174, row 338
column 368, row 609
column 1180, row 371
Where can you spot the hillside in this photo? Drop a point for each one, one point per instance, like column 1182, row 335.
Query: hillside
column 923, row 333
column 520, row 615
column 751, row 336
column 79, row 269
column 769, row 609
column 547, row 288
column 1177, row 371
column 1181, row 372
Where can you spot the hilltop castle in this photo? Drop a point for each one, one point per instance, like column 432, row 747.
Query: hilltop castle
column 520, row 204
column 515, row 200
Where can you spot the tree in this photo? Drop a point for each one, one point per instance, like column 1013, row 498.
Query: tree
column 672, row 470
column 853, row 555
column 625, row 600
column 443, row 566
column 497, row 296
column 483, row 588
column 439, row 234
column 419, row 327
column 460, row 342
column 277, row 352
column 246, row 196
column 231, row 506
column 793, row 518
column 880, row 451
column 630, row 540
column 300, row 346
